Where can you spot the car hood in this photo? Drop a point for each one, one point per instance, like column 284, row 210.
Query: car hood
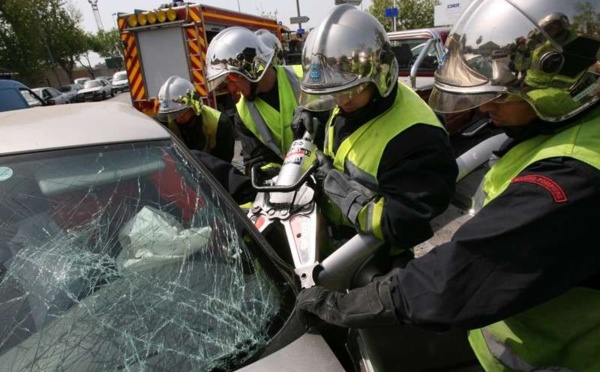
column 120, row 82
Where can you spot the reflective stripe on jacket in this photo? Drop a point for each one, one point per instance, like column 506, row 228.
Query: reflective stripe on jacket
column 360, row 153
column 210, row 123
column 562, row 334
column 272, row 127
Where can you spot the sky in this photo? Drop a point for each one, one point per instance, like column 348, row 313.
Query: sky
column 285, row 9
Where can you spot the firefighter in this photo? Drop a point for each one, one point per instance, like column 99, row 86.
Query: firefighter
column 237, row 58
column 522, row 275
column 520, row 58
column 200, row 127
column 544, row 67
column 387, row 167
column 274, row 43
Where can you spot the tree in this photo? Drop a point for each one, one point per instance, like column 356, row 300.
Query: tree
column 109, row 45
column 587, row 19
column 65, row 38
column 39, row 34
column 84, row 59
column 412, row 14
column 20, row 49
column 266, row 14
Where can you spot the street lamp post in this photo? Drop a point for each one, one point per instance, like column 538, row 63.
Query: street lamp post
column 298, row 9
column 395, row 19
column 115, row 18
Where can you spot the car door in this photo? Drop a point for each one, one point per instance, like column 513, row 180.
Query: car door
column 55, row 96
column 12, row 98
column 107, row 87
column 46, row 96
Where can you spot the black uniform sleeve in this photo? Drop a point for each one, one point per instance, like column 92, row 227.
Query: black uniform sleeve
column 319, row 137
column 238, row 185
column 417, row 177
column 531, row 243
column 253, row 150
column 225, row 139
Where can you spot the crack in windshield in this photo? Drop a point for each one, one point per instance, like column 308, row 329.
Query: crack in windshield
column 124, row 258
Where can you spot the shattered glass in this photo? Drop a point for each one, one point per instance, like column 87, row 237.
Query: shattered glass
column 123, row 257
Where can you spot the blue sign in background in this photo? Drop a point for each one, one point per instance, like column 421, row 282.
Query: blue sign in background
column 391, row 12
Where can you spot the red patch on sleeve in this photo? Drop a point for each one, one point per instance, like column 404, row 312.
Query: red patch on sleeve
column 558, row 194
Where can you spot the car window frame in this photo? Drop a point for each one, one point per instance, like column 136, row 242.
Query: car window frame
column 33, row 95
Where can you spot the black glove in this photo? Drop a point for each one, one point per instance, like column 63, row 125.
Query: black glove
column 364, row 307
column 349, row 195
column 304, row 121
column 325, row 166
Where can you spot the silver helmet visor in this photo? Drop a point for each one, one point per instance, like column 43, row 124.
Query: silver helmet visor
column 240, row 53
column 484, row 58
column 332, row 65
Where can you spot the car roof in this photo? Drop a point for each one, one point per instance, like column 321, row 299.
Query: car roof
column 4, row 84
column 83, row 124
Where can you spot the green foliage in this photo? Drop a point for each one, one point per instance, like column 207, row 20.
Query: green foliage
column 39, row 34
column 587, row 19
column 66, row 39
column 21, row 50
column 267, row 14
column 107, row 44
column 412, row 14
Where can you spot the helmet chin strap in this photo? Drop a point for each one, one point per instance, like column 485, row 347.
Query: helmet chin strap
column 254, row 85
column 253, row 88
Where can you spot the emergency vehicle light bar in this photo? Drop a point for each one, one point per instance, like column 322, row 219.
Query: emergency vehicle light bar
column 152, row 17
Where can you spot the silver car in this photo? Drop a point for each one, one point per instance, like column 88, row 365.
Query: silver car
column 95, row 90
column 120, row 82
column 52, row 96
column 70, row 90
column 119, row 252
column 81, row 81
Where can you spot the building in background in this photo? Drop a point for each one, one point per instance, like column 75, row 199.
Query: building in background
column 448, row 12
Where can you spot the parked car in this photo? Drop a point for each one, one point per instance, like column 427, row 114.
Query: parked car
column 119, row 251
column 107, row 78
column 82, row 80
column 15, row 96
column 70, row 90
column 499, row 53
column 95, row 90
column 52, row 96
column 120, row 82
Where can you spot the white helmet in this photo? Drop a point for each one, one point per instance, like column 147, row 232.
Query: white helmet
column 239, row 51
column 561, row 74
column 170, row 98
column 273, row 42
column 349, row 48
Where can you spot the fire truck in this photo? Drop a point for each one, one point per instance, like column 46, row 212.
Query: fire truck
column 173, row 40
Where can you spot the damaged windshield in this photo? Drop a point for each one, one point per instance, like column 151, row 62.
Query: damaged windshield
column 123, row 257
